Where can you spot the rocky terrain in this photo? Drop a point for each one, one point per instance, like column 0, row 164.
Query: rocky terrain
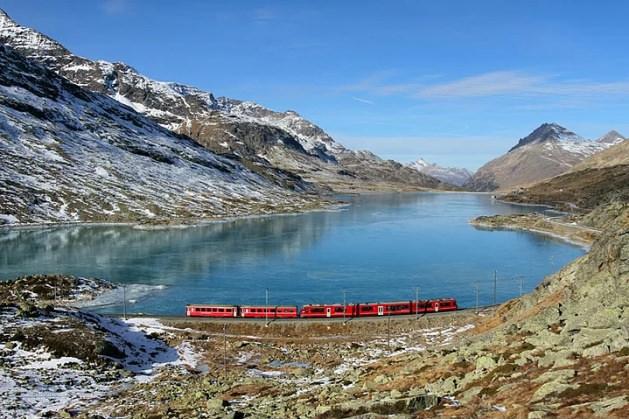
column 560, row 351
column 281, row 146
column 56, row 359
column 55, row 289
column 68, row 154
column 548, row 151
column 452, row 175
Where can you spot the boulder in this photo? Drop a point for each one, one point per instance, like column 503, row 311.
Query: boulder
column 485, row 363
column 549, row 388
column 555, row 375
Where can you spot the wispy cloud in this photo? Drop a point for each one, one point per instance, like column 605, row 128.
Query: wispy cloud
column 264, row 14
column 115, row 7
column 488, row 84
column 495, row 83
column 361, row 100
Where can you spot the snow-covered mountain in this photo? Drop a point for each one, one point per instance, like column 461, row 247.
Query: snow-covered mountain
column 68, row 154
column 613, row 137
column 548, row 151
column 452, row 175
column 275, row 144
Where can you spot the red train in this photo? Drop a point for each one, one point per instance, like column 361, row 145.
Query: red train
column 394, row 308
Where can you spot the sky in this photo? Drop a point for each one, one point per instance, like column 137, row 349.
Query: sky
column 456, row 82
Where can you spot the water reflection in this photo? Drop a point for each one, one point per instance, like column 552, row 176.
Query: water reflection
column 380, row 247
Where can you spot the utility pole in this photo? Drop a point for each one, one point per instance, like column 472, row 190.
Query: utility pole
column 495, row 283
column 476, row 288
column 416, row 303
column 389, row 330
column 266, row 309
column 224, row 348
column 344, row 304
column 124, row 302
column 521, row 279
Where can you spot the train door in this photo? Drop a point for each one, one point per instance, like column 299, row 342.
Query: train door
column 380, row 310
column 436, row 306
column 328, row 312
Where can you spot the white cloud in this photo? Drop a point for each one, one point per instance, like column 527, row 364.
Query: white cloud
column 361, row 100
column 488, row 84
column 494, row 83
column 115, row 7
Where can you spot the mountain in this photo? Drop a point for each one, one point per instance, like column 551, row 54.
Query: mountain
column 612, row 137
column 68, row 154
column 616, row 154
column 283, row 146
column 452, row 175
column 548, row 151
column 597, row 180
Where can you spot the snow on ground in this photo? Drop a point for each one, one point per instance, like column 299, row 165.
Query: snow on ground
column 34, row 381
column 406, row 343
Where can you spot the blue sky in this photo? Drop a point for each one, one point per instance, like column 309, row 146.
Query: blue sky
column 457, row 82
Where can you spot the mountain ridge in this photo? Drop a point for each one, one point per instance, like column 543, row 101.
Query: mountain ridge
column 453, row 175
column 547, row 151
column 264, row 140
column 69, row 154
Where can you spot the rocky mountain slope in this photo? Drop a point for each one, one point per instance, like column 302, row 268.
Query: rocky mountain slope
column 283, row 146
column 452, row 175
column 548, row 151
column 617, row 154
column 599, row 179
column 68, row 154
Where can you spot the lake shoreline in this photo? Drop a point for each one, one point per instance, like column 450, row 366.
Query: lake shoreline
column 537, row 223
column 176, row 224
column 188, row 223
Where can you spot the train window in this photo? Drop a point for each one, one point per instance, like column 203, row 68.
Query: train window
column 317, row 310
column 366, row 308
column 338, row 310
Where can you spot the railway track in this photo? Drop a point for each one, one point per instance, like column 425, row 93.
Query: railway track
column 240, row 320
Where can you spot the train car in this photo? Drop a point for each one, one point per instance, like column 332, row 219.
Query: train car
column 384, row 309
column 433, row 306
column 444, row 304
column 310, row 311
column 269, row 312
column 206, row 310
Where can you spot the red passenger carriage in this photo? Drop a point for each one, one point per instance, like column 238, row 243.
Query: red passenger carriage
column 328, row 310
column 205, row 310
column 269, row 312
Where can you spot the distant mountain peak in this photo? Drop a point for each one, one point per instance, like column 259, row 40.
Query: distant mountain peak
column 452, row 175
column 548, row 131
column 612, row 137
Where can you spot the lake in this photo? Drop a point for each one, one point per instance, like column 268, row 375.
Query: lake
column 381, row 247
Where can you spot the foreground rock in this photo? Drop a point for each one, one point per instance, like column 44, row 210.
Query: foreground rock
column 54, row 289
column 57, row 360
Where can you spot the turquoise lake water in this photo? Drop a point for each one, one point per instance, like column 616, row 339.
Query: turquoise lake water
column 381, row 247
